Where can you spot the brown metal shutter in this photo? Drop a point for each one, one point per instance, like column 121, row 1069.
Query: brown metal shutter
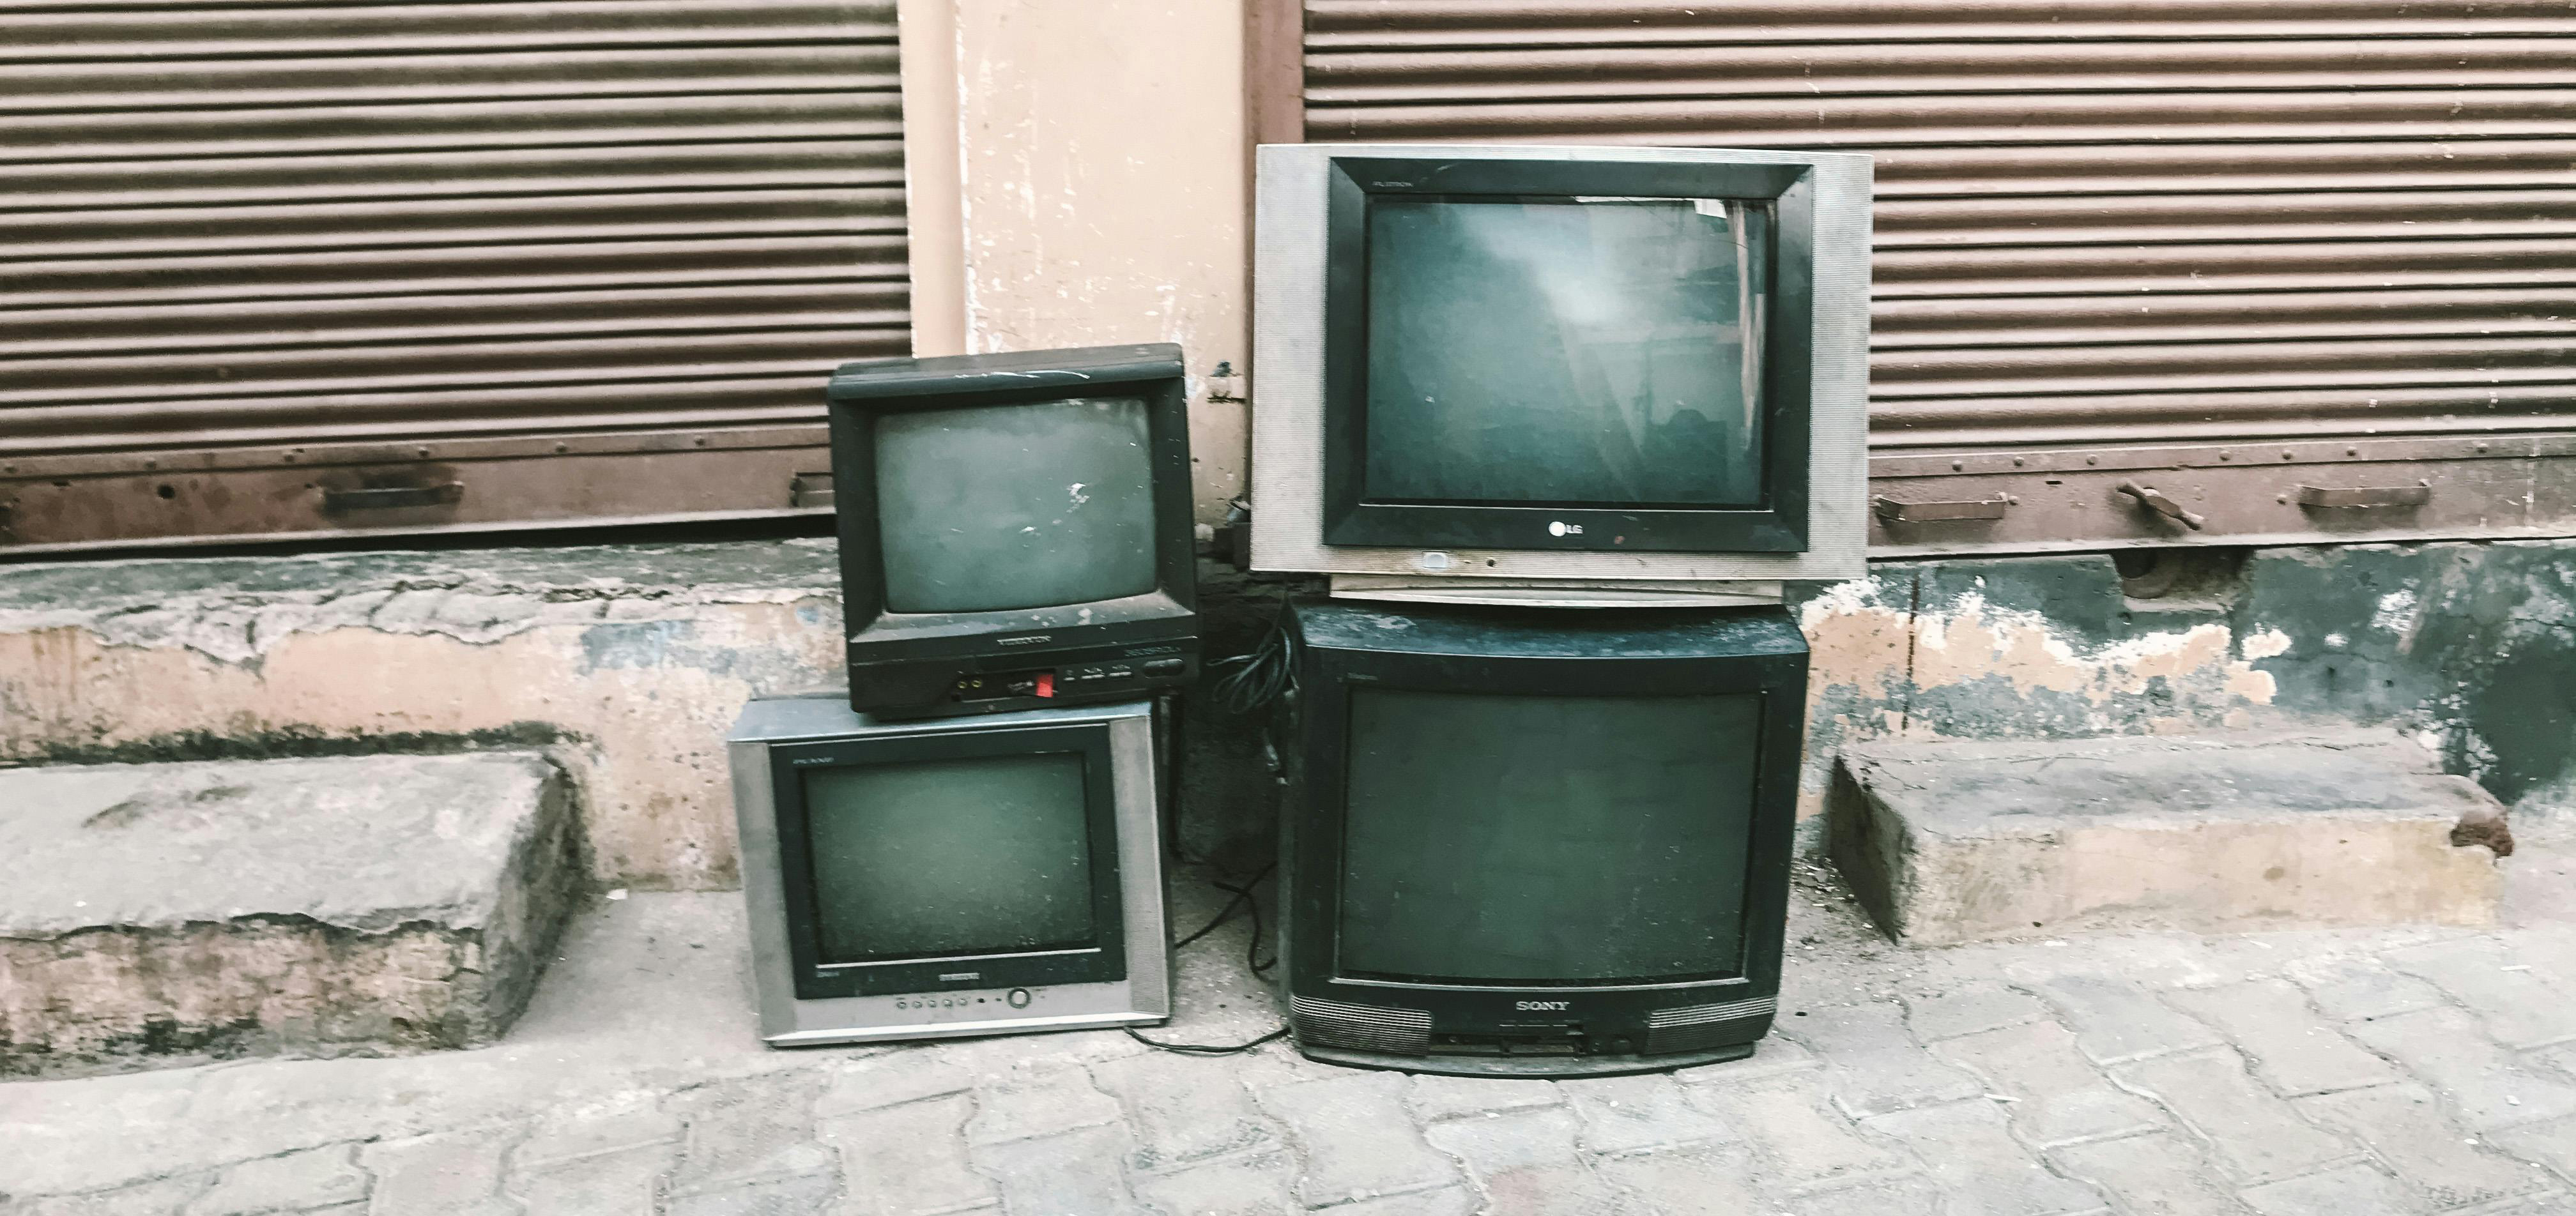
column 327, row 267
column 2302, row 267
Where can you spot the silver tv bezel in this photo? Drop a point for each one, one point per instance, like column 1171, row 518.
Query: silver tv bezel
column 1143, row 998
column 1288, row 403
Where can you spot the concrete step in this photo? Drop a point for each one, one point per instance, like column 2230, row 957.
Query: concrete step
column 169, row 913
column 1951, row 841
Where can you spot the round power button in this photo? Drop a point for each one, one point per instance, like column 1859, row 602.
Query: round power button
column 1019, row 998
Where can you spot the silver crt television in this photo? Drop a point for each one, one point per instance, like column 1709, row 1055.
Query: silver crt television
column 1560, row 375
column 947, row 877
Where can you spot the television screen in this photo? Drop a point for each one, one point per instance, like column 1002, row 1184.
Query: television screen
column 1596, row 352
column 949, row 857
column 994, row 507
column 1557, row 839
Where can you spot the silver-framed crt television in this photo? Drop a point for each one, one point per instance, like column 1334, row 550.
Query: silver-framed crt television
column 1581, row 375
column 947, row 877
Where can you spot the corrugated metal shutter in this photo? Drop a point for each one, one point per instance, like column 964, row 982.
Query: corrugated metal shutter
column 311, row 267
column 2118, row 240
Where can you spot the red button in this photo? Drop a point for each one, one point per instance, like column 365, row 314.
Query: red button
column 1046, row 684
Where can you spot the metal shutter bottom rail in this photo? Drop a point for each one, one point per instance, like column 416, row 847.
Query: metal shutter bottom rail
column 2110, row 227
column 313, row 270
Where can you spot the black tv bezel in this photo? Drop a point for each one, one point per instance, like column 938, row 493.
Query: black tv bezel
column 1315, row 826
column 1104, row 959
column 900, row 663
column 1778, row 524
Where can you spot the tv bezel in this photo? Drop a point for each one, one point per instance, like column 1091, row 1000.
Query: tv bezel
column 862, row 392
column 1313, row 823
column 1288, row 428
column 958, row 1002
column 1103, row 958
column 1777, row 523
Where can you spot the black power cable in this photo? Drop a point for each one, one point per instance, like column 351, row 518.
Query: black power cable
column 1244, row 898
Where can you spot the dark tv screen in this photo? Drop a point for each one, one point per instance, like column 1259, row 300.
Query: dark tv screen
column 991, row 508
column 1573, row 839
column 940, row 858
column 1565, row 352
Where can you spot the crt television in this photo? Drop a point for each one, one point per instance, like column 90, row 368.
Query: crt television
column 1534, row 373
column 1520, row 842
column 945, row 877
column 1015, row 529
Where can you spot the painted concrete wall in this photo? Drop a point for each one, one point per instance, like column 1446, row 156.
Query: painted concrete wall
column 1099, row 186
column 2468, row 647
column 629, row 663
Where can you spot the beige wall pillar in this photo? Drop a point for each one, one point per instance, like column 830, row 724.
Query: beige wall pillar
column 1099, row 150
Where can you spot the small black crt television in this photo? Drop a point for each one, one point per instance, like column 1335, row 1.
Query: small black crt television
column 1015, row 529
column 950, row 876
column 1524, row 843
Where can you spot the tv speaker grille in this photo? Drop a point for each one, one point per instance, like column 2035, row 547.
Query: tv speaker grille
column 1360, row 1027
column 1700, row 1027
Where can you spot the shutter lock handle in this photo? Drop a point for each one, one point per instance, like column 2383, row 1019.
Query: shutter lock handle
column 2155, row 501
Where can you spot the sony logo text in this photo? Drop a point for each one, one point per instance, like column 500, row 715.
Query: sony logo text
column 1535, row 1006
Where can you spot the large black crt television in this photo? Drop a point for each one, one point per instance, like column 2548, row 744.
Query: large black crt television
column 1570, row 368
column 950, row 876
column 1015, row 529
column 1537, row 844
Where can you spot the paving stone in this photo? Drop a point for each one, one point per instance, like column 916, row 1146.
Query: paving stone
column 1704, row 1179
column 1355, row 1138
column 1971, row 1009
column 2483, row 1083
column 1874, row 1065
column 614, row 1182
column 2058, row 1095
column 790, row 1195
column 447, row 1174
column 2404, row 1123
column 160, row 1197
column 565, row 1135
column 1255, row 1185
column 2116, row 1021
column 1793, row 1121
column 1433, row 1098
column 1056, row 1100
column 2252, row 1133
column 1075, row 1172
column 2551, row 1144
column 737, row 1131
column 2342, row 1191
column 1438, row 1201
column 312, row 1178
column 1181, row 1110
column 909, row 1075
column 1774, row 1055
column 1902, row 1196
column 2157, row 1174
column 2522, row 1007
column 1525, row 1162
column 906, row 1159
column 1981, row 1169
column 2362, row 989
column 2290, row 1046
column 1625, row 1114
column 2552, row 1203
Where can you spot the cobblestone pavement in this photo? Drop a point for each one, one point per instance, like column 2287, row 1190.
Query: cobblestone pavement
column 2346, row 1073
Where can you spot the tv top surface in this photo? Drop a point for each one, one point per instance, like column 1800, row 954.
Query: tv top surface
column 1541, row 633
column 1561, row 362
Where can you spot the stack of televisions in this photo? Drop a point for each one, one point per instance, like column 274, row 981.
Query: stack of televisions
column 1557, row 423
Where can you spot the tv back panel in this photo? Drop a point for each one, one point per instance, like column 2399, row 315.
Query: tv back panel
column 1482, row 368
column 949, row 877
column 1533, row 842
column 1015, row 529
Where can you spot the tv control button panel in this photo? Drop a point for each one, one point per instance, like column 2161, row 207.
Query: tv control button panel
column 1019, row 998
